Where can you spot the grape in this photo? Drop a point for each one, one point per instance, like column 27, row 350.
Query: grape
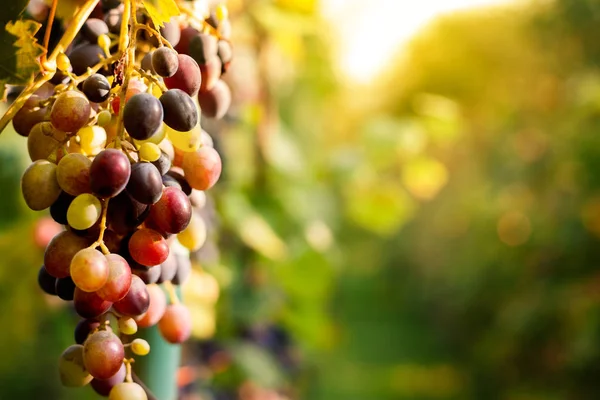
column 89, row 270
column 39, row 185
column 63, row 63
column 43, row 140
column 168, row 268
column 60, row 251
column 73, row 174
column 197, row 198
column 202, row 47
column 85, row 56
column 171, row 32
column 26, row 118
column 188, row 76
column 65, row 288
column 72, row 368
column 96, row 88
column 93, row 28
column 175, row 325
column 89, row 304
column 211, row 72
column 184, row 269
column 224, row 29
column 103, row 354
column 215, row 102
column 184, row 40
column 157, row 138
column 149, row 152
column 119, row 279
column 156, row 309
column 46, row 281
column 146, row 63
column 61, row 78
column 143, row 116
column 125, row 214
column 163, row 164
column 180, row 112
column 202, row 168
column 127, row 326
column 113, row 21
column 83, row 330
column 145, row 184
column 225, row 53
column 92, row 139
column 148, row 247
column 136, row 301
column 186, row 141
column 140, row 347
column 207, row 140
column 70, row 112
column 84, row 211
column 165, row 62
column 172, row 213
column 104, row 119
column 178, row 176
column 104, row 386
column 109, row 173
column 148, row 274
column 127, row 391
column 135, row 87
column 194, row 236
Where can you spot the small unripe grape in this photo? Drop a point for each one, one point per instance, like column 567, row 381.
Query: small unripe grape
column 127, row 326
column 92, row 140
column 104, row 43
column 221, row 12
column 62, row 62
column 84, row 211
column 149, row 152
column 104, row 118
column 140, row 347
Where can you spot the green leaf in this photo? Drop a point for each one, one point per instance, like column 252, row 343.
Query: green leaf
column 161, row 11
column 10, row 73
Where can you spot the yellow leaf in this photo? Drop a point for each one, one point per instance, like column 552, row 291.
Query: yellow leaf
column 28, row 49
column 161, row 11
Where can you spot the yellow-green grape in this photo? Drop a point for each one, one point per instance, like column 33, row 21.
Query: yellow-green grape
column 149, row 152
column 194, row 235
column 92, row 140
column 84, row 211
column 127, row 326
column 104, row 118
column 157, row 138
column 221, row 12
column 39, row 185
column 140, row 347
column 104, row 43
column 62, row 62
column 127, row 391
column 186, row 141
column 71, row 369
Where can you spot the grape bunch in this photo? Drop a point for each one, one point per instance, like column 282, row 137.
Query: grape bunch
column 120, row 159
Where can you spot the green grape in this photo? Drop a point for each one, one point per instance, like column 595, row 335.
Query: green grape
column 71, row 368
column 127, row 326
column 43, row 140
column 84, row 211
column 149, row 152
column 127, row 391
column 194, row 236
column 186, row 141
column 104, row 118
column 140, row 347
column 73, row 174
column 89, row 270
column 39, row 185
column 92, row 140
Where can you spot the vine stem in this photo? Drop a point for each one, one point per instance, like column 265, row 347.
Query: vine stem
column 49, row 24
column 79, row 19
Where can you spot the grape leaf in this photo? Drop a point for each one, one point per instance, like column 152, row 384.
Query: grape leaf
column 161, row 11
column 9, row 59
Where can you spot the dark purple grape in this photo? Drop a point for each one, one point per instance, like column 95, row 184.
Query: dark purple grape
column 148, row 275
column 180, row 112
column 146, row 63
column 124, row 214
column 110, row 4
column 163, row 164
column 136, row 302
column 183, row 183
column 104, row 386
column 89, row 305
column 173, row 212
column 184, row 40
column 143, row 116
column 46, row 281
column 113, row 20
column 96, row 88
column 85, row 56
column 58, row 209
column 169, row 181
column 65, row 288
column 93, row 28
column 109, row 173
column 202, row 47
column 84, row 328
column 145, row 183
column 26, row 118
column 215, row 102
column 165, row 62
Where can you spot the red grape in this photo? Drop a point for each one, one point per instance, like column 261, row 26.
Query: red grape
column 103, row 354
column 176, row 324
column 148, row 247
column 119, row 279
column 89, row 304
column 136, row 301
column 173, row 212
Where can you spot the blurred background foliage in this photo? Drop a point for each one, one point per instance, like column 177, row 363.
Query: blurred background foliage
column 430, row 235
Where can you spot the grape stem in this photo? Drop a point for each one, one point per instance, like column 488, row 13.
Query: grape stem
column 171, row 292
column 49, row 24
column 162, row 41
column 151, row 78
column 100, row 241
